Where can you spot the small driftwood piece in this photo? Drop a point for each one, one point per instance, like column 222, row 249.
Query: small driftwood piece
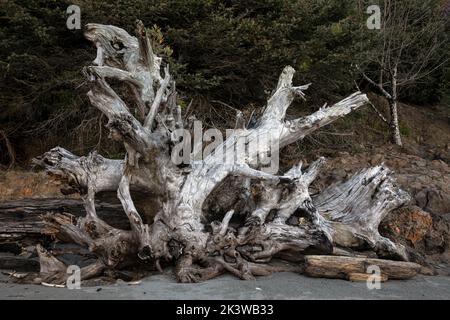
column 352, row 268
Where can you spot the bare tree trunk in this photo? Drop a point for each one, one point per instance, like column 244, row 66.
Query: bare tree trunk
column 248, row 236
column 394, row 125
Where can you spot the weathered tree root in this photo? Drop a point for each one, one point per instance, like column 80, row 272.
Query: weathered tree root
column 354, row 209
column 257, row 227
column 54, row 272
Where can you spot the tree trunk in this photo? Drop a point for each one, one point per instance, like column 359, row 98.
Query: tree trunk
column 258, row 209
column 346, row 267
column 394, row 125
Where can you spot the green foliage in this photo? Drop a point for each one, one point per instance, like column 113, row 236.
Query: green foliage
column 405, row 130
column 234, row 50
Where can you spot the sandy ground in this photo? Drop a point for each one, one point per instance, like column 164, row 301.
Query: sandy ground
column 277, row 286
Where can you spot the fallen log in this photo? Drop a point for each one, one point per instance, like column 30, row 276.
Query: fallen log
column 18, row 263
column 22, row 219
column 340, row 267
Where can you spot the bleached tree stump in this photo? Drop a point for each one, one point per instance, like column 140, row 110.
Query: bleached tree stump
column 343, row 217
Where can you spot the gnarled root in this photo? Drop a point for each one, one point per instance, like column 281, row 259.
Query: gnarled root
column 54, row 272
column 114, row 248
column 81, row 173
column 282, row 221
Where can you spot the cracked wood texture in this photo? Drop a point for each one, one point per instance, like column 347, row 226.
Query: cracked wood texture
column 256, row 215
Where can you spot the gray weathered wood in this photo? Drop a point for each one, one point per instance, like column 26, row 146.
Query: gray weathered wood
column 180, row 231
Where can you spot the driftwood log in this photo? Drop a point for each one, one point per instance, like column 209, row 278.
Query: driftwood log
column 355, row 268
column 256, row 212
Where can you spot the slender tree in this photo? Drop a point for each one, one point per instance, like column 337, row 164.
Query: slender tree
column 406, row 49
